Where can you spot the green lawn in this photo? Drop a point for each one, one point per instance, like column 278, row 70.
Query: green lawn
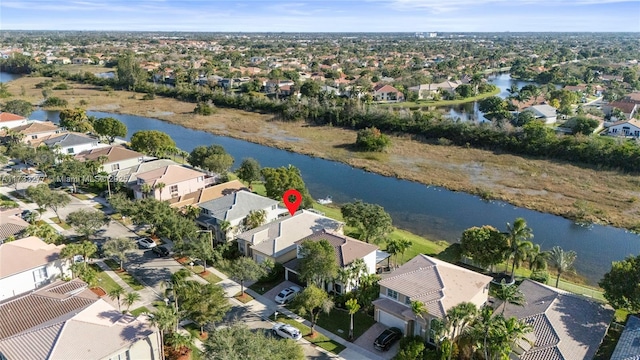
column 429, row 103
column 318, row 340
column 337, row 321
column 210, row 277
column 125, row 276
column 60, row 223
column 243, row 299
column 138, row 311
column 81, row 196
column 104, row 281
column 263, row 287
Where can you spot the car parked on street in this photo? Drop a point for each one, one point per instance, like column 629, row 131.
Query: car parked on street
column 160, row 251
column 286, row 331
column 146, row 243
column 388, row 337
column 287, row 294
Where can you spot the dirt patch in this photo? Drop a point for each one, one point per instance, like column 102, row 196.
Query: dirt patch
column 99, row 291
column 556, row 187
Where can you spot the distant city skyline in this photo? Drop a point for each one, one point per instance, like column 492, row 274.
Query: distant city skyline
column 323, row 16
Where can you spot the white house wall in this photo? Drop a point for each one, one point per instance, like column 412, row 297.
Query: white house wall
column 24, row 282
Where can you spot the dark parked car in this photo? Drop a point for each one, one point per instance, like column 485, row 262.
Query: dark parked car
column 387, row 338
column 160, row 251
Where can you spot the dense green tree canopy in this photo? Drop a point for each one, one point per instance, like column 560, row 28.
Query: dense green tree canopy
column 371, row 139
column 318, row 262
column 622, row 284
column 371, row 220
column 212, row 158
column 153, row 143
column 485, row 245
column 279, row 180
column 249, row 170
column 238, row 342
column 75, row 120
column 110, row 128
column 18, row 107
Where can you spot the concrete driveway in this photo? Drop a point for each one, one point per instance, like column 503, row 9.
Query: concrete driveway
column 366, row 341
column 271, row 294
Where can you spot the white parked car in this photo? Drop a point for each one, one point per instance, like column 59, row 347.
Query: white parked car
column 146, row 243
column 286, row 331
column 287, row 294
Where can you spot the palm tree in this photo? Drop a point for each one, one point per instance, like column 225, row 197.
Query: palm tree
column 419, row 310
column 115, row 294
column 160, row 186
column 509, row 294
column 519, row 244
column 344, row 277
column 255, row 219
column 353, row 307
column 224, row 228
column 457, row 319
column 165, row 319
column 537, row 259
column 393, row 248
column 119, row 248
column 403, row 246
column 146, row 189
column 515, row 331
column 180, row 342
column 358, row 269
column 562, row 260
column 131, row 298
column 481, row 330
column 192, row 212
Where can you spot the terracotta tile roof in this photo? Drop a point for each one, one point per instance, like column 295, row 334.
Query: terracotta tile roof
column 42, row 307
column 566, row 326
column 6, row 117
column 438, row 284
column 113, row 154
column 346, row 248
column 24, row 254
column 209, row 193
column 236, row 205
column 169, row 175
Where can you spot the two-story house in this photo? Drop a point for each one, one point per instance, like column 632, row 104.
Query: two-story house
column 208, row 193
column 276, row 241
column 382, row 92
column 129, row 176
column 10, row 120
column 116, row 157
column 34, row 132
column 438, row 284
column 73, row 143
column 226, row 215
column 347, row 249
column 66, row 320
column 28, row 264
column 169, row 182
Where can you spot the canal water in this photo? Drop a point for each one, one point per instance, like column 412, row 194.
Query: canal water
column 433, row 212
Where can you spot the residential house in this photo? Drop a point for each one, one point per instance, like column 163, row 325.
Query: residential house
column 81, row 61
column 276, row 241
column 436, row 283
column 129, row 176
column 273, row 86
column 34, row 132
column 10, row 120
column 115, row 157
column 382, row 92
column 347, row 250
column 178, row 180
column 628, row 108
column 544, row 112
column 73, row 143
column 625, row 128
column 11, row 224
column 65, row 320
column 426, row 91
column 565, row 326
column 628, row 346
column 28, row 264
column 226, row 215
column 208, row 193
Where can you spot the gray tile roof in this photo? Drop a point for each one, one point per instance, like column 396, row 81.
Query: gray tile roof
column 33, row 344
column 628, row 347
column 129, row 175
column 237, row 205
column 543, row 110
column 347, row 249
column 70, row 139
column 566, row 326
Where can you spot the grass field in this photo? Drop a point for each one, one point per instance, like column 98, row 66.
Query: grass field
column 60, row 223
column 104, row 281
column 125, row 276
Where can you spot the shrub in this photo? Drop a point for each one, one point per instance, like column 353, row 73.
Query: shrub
column 55, row 102
column 541, row 276
column 371, row 139
column 149, row 96
column 411, row 348
column 203, row 109
column 62, row 86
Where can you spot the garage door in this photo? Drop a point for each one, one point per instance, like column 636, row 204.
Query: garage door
column 295, row 278
column 391, row 321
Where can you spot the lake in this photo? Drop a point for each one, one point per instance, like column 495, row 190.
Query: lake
column 433, row 212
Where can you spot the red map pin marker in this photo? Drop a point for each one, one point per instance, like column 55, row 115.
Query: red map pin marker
column 292, row 206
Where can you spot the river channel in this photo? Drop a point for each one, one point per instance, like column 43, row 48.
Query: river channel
column 433, row 212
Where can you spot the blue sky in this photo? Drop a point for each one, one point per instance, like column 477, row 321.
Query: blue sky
column 322, row 16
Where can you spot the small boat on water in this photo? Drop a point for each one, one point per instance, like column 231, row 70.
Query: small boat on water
column 325, row 201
